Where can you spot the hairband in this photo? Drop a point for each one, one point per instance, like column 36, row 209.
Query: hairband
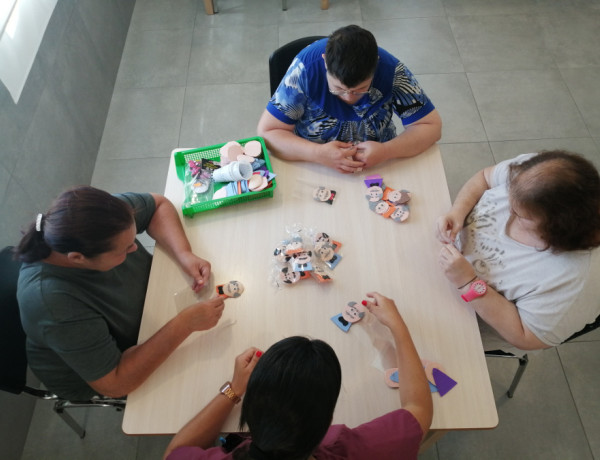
column 38, row 222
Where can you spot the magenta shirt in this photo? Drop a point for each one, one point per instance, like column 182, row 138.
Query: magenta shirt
column 395, row 436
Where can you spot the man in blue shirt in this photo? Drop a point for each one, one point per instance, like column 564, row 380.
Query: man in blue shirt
column 335, row 104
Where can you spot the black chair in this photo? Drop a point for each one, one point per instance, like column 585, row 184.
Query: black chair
column 282, row 57
column 524, row 360
column 13, row 360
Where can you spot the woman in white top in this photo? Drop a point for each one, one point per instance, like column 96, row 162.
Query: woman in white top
column 529, row 228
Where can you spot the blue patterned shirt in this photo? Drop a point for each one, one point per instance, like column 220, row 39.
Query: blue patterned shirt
column 303, row 99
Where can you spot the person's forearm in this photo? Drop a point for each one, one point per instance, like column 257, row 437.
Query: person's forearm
column 288, row 146
column 503, row 316
column 414, row 140
column 469, row 195
column 413, row 388
column 166, row 229
column 203, row 429
column 139, row 361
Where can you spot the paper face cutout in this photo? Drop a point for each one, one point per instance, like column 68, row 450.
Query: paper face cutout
column 340, row 322
column 299, row 257
column 386, row 201
column 374, row 180
column 288, row 276
column 232, row 289
column 324, row 194
column 301, row 261
column 374, row 193
column 353, row 312
column 320, row 274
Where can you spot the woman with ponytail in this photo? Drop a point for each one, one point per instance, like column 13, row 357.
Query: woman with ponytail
column 82, row 288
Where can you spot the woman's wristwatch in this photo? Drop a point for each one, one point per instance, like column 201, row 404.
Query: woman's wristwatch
column 477, row 289
column 227, row 391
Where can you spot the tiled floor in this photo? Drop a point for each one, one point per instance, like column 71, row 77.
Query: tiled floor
column 507, row 76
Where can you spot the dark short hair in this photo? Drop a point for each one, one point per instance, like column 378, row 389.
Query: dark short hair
column 562, row 190
column 291, row 396
column 82, row 219
column 351, row 55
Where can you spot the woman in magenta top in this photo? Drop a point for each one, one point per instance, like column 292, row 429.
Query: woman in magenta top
column 291, row 395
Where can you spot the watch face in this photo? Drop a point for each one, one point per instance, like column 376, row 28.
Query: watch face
column 479, row 287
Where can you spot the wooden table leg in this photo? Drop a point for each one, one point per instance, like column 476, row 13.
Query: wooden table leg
column 324, row 4
column 209, row 7
column 431, row 438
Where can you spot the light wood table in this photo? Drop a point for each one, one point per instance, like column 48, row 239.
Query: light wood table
column 397, row 259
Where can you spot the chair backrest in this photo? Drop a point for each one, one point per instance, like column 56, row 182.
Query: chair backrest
column 282, row 57
column 13, row 360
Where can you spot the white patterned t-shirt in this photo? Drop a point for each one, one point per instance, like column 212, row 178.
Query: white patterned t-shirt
column 556, row 294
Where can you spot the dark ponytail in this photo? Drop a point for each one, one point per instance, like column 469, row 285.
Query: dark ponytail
column 83, row 219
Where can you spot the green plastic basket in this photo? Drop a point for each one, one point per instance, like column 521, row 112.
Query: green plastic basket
column 212, row 153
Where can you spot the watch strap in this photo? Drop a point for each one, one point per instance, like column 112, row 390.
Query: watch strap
column 228, row 391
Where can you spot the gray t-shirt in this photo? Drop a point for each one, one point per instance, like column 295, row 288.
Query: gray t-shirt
column 78, row 322
column 556, row 294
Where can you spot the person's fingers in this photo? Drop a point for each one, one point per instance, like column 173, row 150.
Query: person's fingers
column 345, row 169
column 375, row 297
column 350, row 162
column 248, row 355
column 453, row 234
column 452, row 249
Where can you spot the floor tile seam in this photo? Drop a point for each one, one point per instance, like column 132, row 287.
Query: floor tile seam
column 519, row 140
column 537, row 10
column 10, row 166
column 214, row 82
column 583, row 118
column 194, row 84
column 119, row 80
column 6, row 197
column 134, row 27
column 579, row 67
column 119, row 92
column 418, row 74
column 136, row 158
column 487, row 136
column 573, row 401
column 546, row 29
column 138, row 87
column 494, row 16
column 138, row 29
column 468, row 81
column 399, row 18
column 584, row 340
column 474, row 143
column 537, row 138
column 540, row 138
column 187, row 74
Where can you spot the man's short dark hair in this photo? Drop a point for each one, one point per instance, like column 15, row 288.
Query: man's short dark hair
column 351, row 55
